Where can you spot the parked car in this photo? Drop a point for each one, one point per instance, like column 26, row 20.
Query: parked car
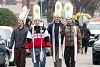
column 94, row 28
column 96, row 52
column 8, row 30
column 7, row 56
column 3, row 53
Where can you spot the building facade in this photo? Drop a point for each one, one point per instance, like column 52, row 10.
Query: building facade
column 16, row 5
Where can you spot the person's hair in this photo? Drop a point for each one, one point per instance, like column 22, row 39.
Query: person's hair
column 27, row 20
column 84, row 25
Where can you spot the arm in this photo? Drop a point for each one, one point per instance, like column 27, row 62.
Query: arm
column 63, row 30
column 12, row 39
column 89, row 33
column 47, row 40
column 28, row 40
column 79, row 38
column 49, row 29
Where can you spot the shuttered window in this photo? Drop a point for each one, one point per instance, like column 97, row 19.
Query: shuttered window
column 11, row 2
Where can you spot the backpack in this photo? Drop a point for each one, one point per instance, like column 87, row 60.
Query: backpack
column 83, row 35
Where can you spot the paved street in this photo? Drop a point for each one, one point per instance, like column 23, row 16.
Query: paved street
column 82, row 61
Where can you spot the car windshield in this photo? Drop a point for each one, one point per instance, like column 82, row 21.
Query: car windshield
column 3, row 35
column 93, row 26
column 7, row 32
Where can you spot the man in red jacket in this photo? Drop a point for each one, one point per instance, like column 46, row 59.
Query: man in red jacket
column 38, row 42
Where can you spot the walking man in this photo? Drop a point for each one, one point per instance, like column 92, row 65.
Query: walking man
column 19, row 37
column 72, row 36
column 55, row 36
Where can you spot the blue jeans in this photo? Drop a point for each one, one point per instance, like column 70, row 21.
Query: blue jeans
column 37, row 54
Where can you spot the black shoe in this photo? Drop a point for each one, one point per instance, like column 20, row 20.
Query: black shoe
column 82, row 51
column 85, row 53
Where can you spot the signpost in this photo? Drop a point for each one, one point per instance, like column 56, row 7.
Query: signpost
column 41, row 8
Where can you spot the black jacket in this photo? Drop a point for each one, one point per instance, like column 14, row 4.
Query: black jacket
column 85, row 30
column 37, row 29
column 56, row 30
column 19, row 37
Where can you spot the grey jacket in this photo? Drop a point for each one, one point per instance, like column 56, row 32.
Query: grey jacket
column 19, row 37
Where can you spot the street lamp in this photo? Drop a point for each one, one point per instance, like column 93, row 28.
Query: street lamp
column 41, row 8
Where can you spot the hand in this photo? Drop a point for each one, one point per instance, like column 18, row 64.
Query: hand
column 41, row 31
column 48, row 49
column 27, row 50
column 34, row 32
column 10, row 50
column 65, row 23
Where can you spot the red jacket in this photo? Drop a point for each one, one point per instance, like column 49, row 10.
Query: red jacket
column 40, row 39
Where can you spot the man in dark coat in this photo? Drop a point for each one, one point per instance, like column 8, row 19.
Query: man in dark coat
column 56, row 37
column 18, row 37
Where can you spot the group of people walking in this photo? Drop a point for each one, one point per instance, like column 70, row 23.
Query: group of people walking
column 65, row 40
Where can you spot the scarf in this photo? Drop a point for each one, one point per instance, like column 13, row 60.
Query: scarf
column 33, row 45
column 53, row 40
column 41, row 52
column 75, row 43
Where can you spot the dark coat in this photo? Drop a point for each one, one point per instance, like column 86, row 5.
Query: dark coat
column 19, row 37
column 85, row 30
column 56, row 30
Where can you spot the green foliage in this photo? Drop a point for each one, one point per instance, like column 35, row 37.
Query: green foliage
column 7, row 17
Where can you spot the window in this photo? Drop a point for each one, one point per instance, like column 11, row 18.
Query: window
column 1, row 1
column 93, row 26
column 11, row 2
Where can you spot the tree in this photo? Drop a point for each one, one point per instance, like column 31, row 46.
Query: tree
column 7, row 17
column 88, row 5
column 50, row 9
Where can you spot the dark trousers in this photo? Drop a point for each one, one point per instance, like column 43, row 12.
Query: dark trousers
column 58, row 62
column 69, row 56
column 2, row 65
column 85, row 44
column 20, row 57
